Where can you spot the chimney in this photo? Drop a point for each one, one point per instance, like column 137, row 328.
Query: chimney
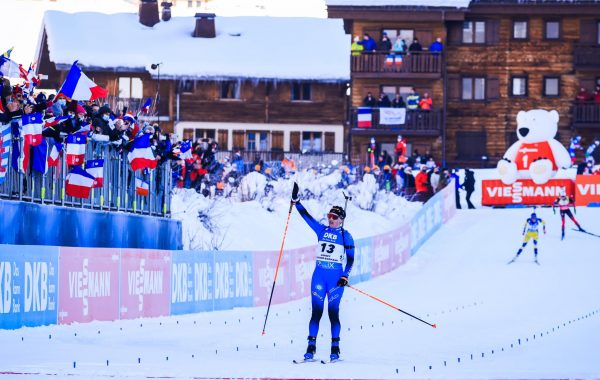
column 149, row 12
column 205, row 25
column 166, row 10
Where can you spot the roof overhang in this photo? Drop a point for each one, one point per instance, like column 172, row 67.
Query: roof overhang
column 397, row 13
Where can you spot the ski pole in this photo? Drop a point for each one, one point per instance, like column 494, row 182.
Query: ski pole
column 390, row 305
column 294, row 195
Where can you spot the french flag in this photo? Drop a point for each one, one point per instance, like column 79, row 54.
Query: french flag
column 54, row 121
column 33, row 124
column 365, row 116
column 398, row 60
column 76, row 149
column 54, row 156
column 186, row 150
column 146, row 106
column 141, row 187
column 96, row 169
column 79, row 183
column 78, row 86
column 141, row 156
column 389, row 60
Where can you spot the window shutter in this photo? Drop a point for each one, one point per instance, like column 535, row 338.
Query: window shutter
column 222, row 135
column 294, row 141
column 329, row 141
column 588, row 32
column 238, row 140
column 455, row 33
column 454, row 87
column 492, row 32
column 277, row 141
column 492, row 88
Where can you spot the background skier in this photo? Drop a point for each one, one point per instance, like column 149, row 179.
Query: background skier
column 531, row 231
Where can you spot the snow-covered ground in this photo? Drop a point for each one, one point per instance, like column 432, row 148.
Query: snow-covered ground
column 459, row 280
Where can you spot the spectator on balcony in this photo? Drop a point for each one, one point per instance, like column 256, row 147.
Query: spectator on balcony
column 357, row 47
column 436, row 46
column 415, row 46
column 398, row 102
column 384, row 101
column 368, row 43
column 583, row 95
column 412, row 100
column 597, row 94
column 425, row 103
column 399, row 46
column 369, row 100
column 384, row 44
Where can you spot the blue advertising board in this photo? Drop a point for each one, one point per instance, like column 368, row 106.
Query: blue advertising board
column 28, row 286
column 192, row 282
column 232, row 280
column 363, row 260
column 426, row 222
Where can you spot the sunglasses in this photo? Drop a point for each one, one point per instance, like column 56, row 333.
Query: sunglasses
column 332, row 216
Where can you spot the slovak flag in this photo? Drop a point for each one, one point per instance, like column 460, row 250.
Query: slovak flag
column 186, row 150
column 32, row 129
column 141, row 156
column 141, row 187
column 78, row 86
column 146, row 106
column 75, row 149
column 96, row 169
column 55, row 155
column 79, row 183
column 365, row 116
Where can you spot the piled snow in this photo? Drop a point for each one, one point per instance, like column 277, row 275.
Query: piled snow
column 518, row 321
column 244, row 47
column 405, row 3
column 254, row 217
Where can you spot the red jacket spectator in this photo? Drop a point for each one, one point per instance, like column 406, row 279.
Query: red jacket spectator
column 583, row 95
column 421, row 180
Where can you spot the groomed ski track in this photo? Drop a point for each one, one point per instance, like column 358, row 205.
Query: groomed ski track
column 517, row 321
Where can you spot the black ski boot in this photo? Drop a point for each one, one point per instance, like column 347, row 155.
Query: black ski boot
column 311, row 349
column 335, row 349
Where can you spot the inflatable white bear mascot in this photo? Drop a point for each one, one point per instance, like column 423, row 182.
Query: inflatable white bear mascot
column 536, row 155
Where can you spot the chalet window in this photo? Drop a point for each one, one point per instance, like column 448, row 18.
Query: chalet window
column 551, row 86
column 300, row 91
column 473, row 32
column 257, row 141
column 186, row 86
column 130, row 88
column 520, row 30
column 230, row 90
column 391, row 91
column 312, row 142
column 408, row 35
column 471, row 145
column 518, row 86
column 552, row 30
column 473, row 88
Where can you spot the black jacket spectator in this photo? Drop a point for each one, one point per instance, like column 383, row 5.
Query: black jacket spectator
column 383, row 101
column 369, row 100
column 384, row 44
column 398, row 102
column 415, row 46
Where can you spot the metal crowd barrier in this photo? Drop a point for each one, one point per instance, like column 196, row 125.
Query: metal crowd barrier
column 116, row 194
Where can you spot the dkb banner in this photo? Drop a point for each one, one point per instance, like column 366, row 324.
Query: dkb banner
column 28, row 286
column 232, row 280
column 192, row 282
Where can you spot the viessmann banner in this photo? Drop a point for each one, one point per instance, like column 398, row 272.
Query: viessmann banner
column 49, row 285
column 587, row 190
column 526, row 192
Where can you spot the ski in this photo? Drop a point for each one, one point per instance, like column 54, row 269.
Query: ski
column 302, row 361
column 585, row 232
column 331, row 361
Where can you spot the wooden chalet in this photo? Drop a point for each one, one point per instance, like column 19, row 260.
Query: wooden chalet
column 499, row 57
column 214, row 81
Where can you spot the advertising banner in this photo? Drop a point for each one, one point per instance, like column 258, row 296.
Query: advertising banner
column 448, row 201
column 363, row 260
column 232, row 280
column 145, row 283
column 524, row 192
column 401, row 252
column 89, row 284
column 192, row 282
column 425, row 222
column 264, row 265
column 28, row 286
column 303, row 264
column 587, row 190
column 383, row 253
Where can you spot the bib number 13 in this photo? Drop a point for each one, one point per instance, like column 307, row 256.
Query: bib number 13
column 327, row 247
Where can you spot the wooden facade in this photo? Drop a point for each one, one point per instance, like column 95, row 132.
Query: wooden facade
column 549, row 50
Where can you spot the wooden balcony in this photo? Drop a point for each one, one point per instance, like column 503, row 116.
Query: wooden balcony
column 416, row 123
column 586, row 115
column 586, row 57
column 385, row 65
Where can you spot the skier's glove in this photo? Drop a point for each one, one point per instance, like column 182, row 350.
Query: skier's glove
column 295, row 191
column 343, row 281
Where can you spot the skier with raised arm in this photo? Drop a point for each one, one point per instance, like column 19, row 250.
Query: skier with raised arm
column 334, row 249
column 564, row 205
column 531, row 231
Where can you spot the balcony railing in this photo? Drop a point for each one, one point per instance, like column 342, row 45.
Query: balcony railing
column 586, row 57
column 586, row 114
column 412, row 63
column 417, row 122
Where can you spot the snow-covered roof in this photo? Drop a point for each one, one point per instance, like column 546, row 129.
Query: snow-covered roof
column 400, row 3
column 279, row 48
